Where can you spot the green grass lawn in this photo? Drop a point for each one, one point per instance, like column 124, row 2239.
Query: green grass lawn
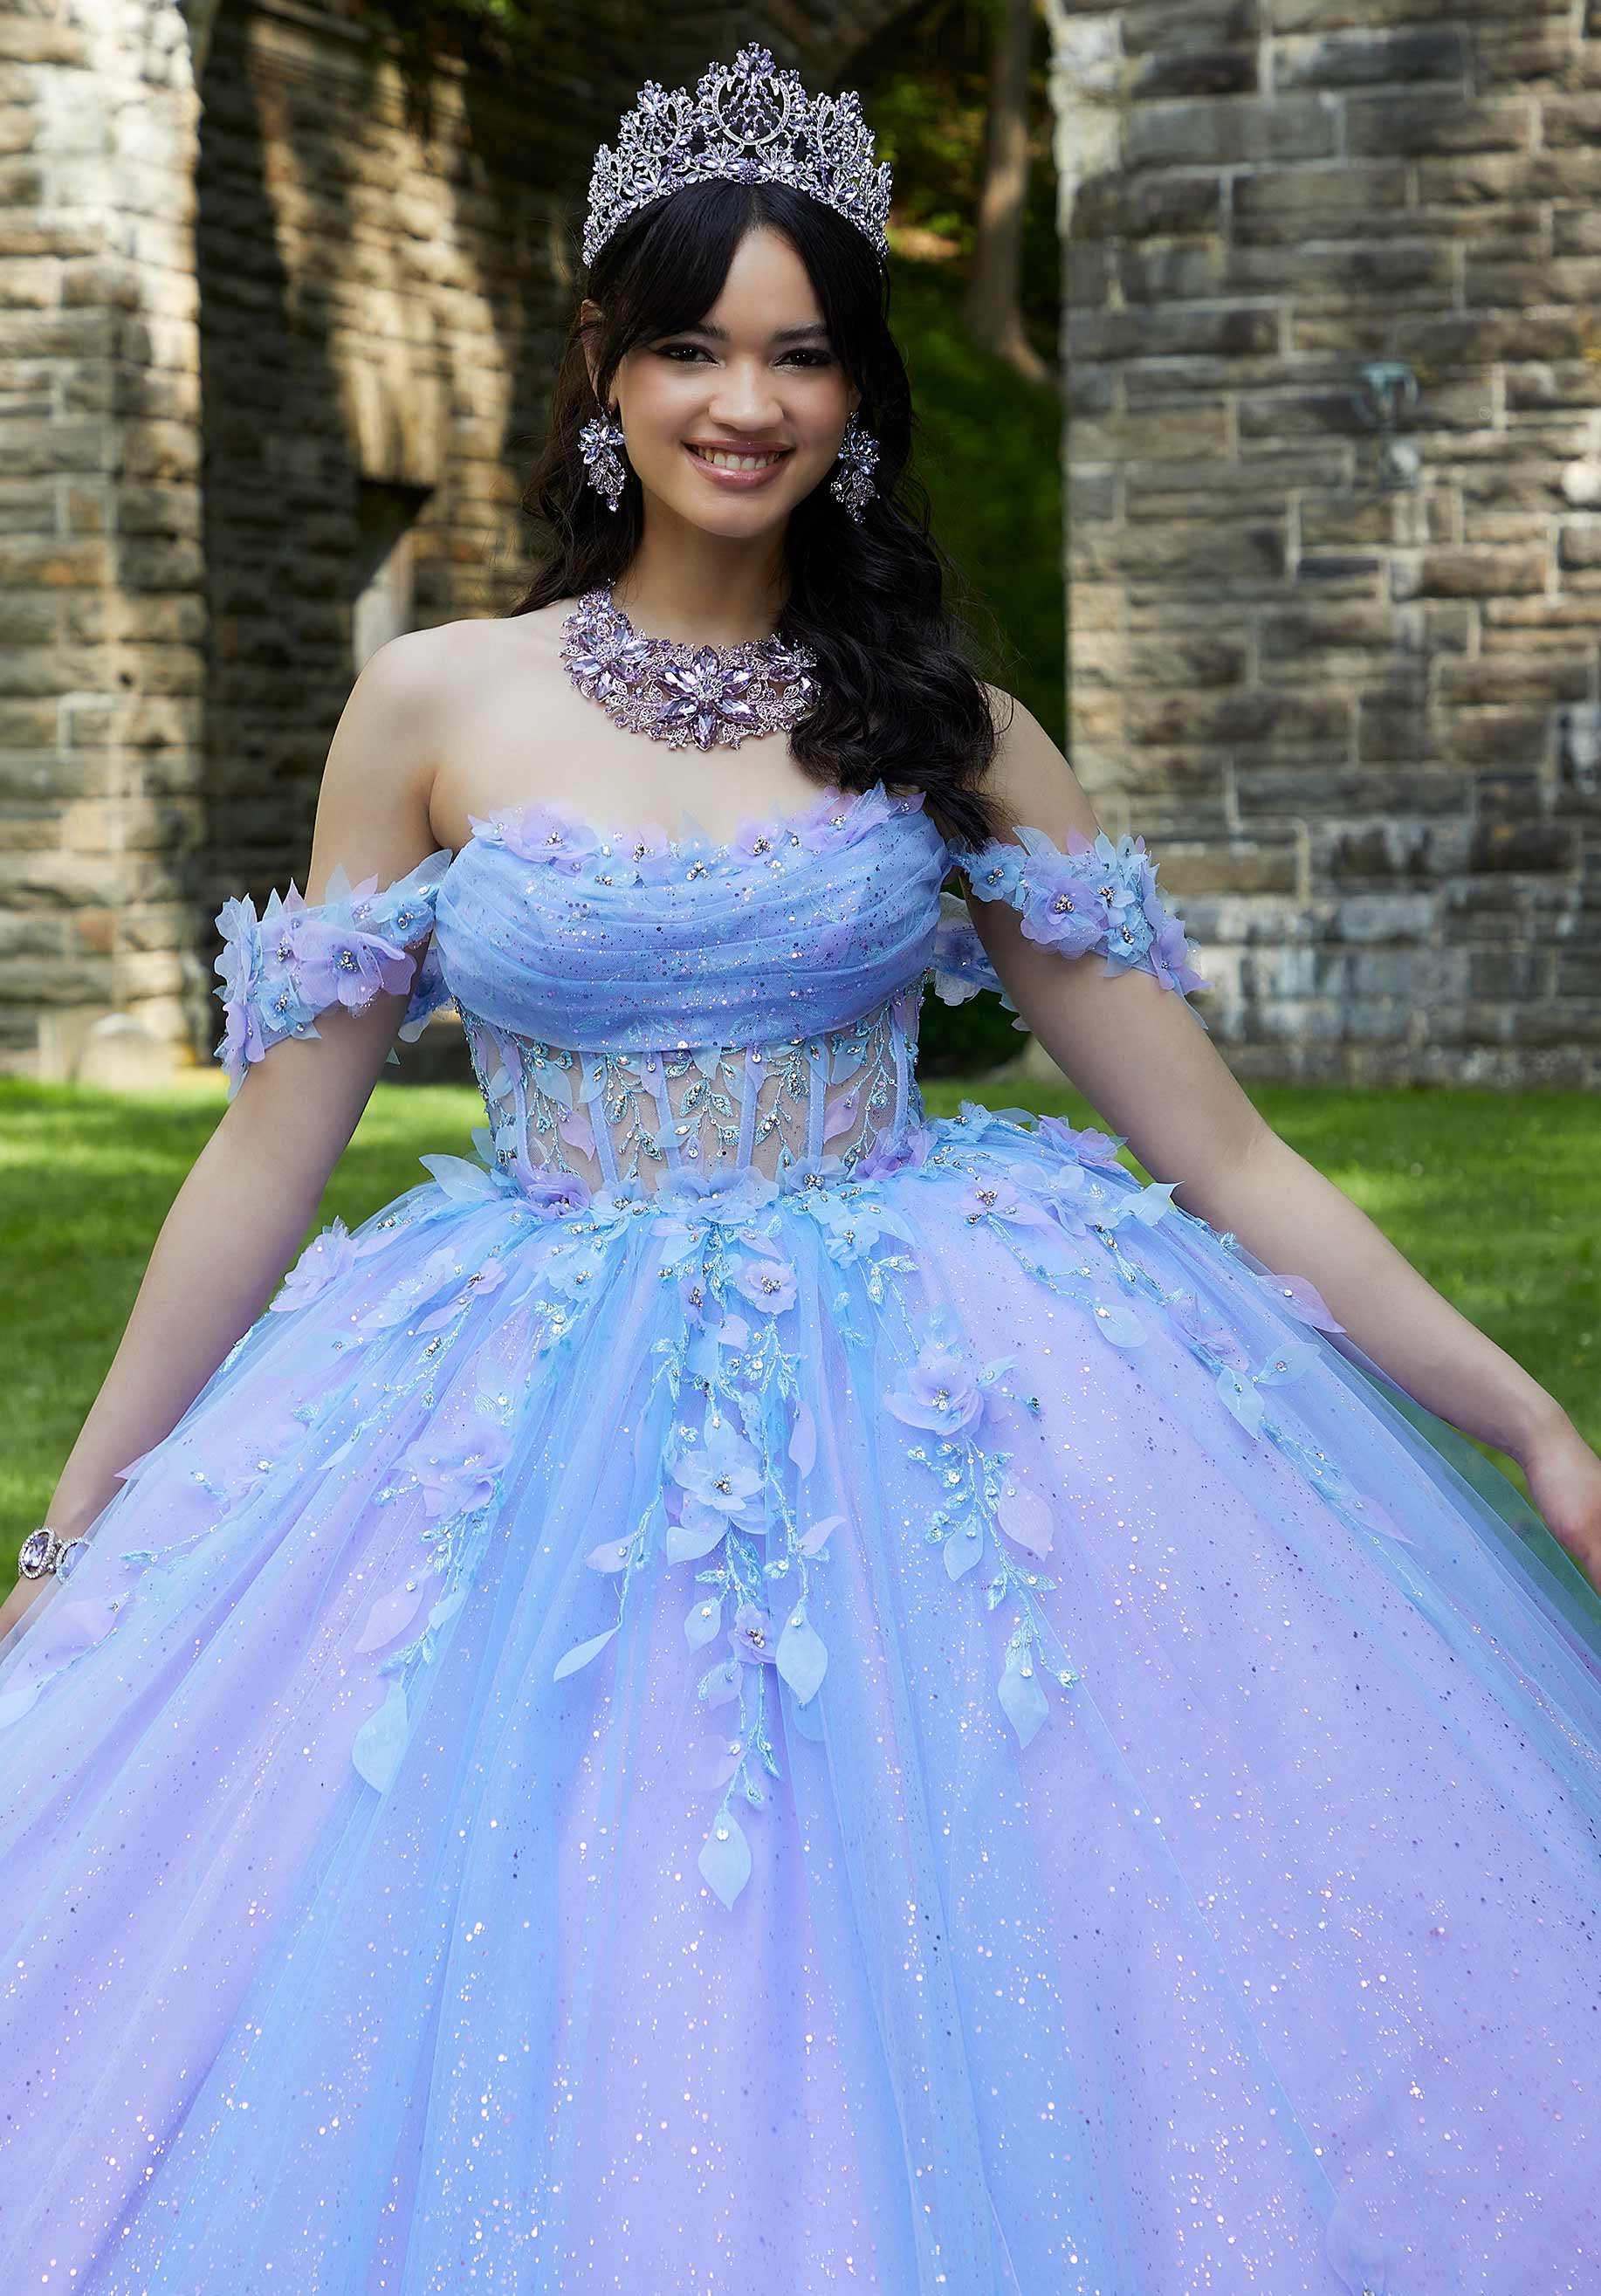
column 1494, row 1197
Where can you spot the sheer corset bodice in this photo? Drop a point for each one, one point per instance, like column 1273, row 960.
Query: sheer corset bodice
column 644, row 1009
column 832, row 1100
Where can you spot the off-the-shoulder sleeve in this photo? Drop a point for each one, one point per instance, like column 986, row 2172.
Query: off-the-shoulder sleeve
column 280, row 970
column 1094, row 899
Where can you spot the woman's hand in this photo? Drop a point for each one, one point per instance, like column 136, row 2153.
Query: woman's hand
column 1564, row 1482
column 26, row 1592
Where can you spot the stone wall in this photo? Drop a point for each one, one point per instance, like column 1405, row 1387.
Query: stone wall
column 354, row 303
column 101, row 597
column 1362, row 721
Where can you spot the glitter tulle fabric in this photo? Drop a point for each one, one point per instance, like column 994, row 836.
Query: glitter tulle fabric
column 750, row 1690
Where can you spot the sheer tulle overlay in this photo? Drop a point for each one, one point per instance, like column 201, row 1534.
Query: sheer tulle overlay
column 751, row 1689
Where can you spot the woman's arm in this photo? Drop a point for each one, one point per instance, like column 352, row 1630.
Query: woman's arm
column 1134, row 1051
column 254, row 1189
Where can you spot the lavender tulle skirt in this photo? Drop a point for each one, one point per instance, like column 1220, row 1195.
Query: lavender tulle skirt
column 793, row 1740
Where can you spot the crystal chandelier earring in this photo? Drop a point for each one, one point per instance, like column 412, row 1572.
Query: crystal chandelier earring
column 600, row 442
column 852, row 482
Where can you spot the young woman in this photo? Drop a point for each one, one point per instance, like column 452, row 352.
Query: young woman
column 752, row 1690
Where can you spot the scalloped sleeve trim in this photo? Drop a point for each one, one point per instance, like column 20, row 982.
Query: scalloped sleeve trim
column 1093, row 899
column 300, row 958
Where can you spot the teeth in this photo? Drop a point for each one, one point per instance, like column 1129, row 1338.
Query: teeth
column 725, row 462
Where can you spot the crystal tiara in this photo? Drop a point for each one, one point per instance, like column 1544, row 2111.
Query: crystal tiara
column 746, row 123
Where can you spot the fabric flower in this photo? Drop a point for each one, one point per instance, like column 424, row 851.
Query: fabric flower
column 337, row 963
column 767, row 1280
column 458, row 1479
column 720, row 1479
column 1089, row 1145
column 855, row 1225
column 941, row 1390
column 539, row 832
column 751, row 1635
column 329, row 1255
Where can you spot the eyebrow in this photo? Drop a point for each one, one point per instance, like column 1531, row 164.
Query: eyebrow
column 780, row 334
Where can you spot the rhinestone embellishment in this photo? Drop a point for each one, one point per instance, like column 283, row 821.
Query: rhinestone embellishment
column 676, row 692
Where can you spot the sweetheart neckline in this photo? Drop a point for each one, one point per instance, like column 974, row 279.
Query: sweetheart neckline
column 696, row 842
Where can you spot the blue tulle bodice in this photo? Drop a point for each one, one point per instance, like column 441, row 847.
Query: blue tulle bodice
column 645, row 1009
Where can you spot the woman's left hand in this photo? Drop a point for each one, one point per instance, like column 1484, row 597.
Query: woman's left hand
column 1564, row 1483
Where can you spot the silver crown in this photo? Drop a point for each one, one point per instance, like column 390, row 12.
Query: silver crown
column 746, row 123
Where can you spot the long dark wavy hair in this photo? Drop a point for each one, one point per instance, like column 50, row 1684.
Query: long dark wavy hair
column 898, row 698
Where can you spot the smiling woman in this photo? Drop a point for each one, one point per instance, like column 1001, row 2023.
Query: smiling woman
column 759, row 1685
column 748, row 321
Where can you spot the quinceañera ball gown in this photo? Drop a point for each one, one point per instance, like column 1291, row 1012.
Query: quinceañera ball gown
column 754, row 1691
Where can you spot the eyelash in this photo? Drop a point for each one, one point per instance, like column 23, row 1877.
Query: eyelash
column 811, row 357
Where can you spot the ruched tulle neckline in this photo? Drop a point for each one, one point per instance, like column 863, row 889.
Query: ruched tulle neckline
column 546, row 831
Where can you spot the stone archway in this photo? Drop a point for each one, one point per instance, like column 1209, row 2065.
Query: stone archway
column 236, row 288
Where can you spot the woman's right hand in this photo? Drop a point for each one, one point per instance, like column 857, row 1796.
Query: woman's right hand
column 16, row 1604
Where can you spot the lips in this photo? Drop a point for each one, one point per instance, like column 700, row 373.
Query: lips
column 768, row 458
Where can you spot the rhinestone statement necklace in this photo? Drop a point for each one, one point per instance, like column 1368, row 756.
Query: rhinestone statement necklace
column 677, row 692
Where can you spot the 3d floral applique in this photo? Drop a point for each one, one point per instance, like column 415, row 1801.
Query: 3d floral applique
column 278, row 971
column 1095, row 898
column 1105, row 1285
column 984, row 1512
column 738, row 1445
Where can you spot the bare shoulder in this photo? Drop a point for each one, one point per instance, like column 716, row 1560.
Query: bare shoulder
column 429, row 667
column 1029, row 777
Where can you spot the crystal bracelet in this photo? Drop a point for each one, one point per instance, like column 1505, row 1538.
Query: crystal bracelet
column 44, row 1551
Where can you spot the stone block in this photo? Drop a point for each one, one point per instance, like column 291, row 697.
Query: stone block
column 1331, row 521
column 1183, row 555
column 1566, row 120
column 1149, row 272
column 172, row 511
column 43, row 40
column 1577, row 975
column 1393, row 726
column 1194, row 71
column 1288, row 725
column 1540, row 55
column 1296, row 205
column 1092, row 494
column 1410, row 270
column 1521, row 738
column 1231, row 131
column 1579, row 542
column 1351, row 627
column 1149, row 435
column 1575, row 231
column 1300, row 414
column 1542, row 617
column 1339, row 573
column 50, row 447
column 1450, row 628
column 1471, row 573
column 1237, row 865
column 1479, row 338
column 1167, row 490
column 1542, row 848
column 1191, row 659
column 1521, row 287
column 27, row 563
column 1288, row 792
column 1365, row 59
column 1226, row 330
column 1517, row 680
column 1410, row 125
column 1150, row 25
column 1162, row 205
column 1483, row 178
column 1503, row 480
